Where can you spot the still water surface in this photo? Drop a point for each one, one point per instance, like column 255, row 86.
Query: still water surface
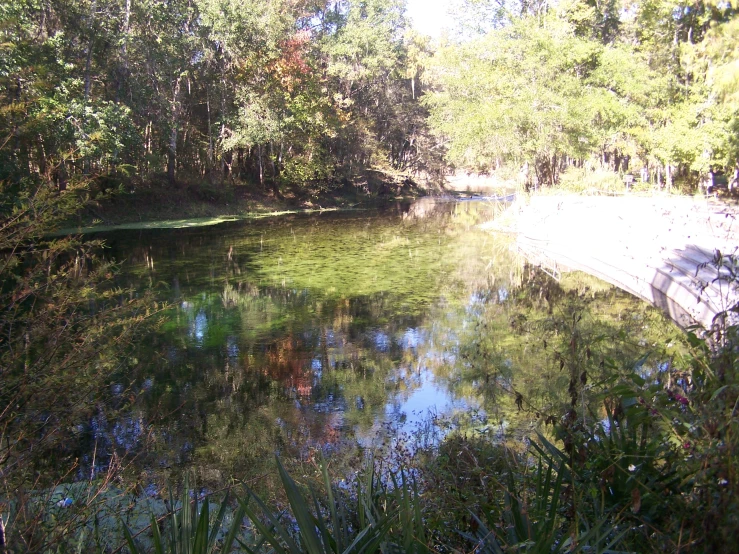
column 329, row 331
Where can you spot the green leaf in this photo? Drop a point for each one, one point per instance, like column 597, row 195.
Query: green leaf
column 200, row 540
column 156, row 536
column 638, row 380
column 718, row 392
column 217, row 523
column 306, row 520
column 238, row 517
column 129, row 539
column 275, row 534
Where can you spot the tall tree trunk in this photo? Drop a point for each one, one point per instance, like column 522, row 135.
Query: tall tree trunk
column 41, row 156
column 261, row 168
column 275, row 172
column 62, row 176
column 223, row 117
column 88, row 80
column 172, row 150
column 210, row 132
column 123, row 68
column 172, row 155
column 88, row 64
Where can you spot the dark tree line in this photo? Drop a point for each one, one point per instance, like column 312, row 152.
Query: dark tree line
column 290, row 91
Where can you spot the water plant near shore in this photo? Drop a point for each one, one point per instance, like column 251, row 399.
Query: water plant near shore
column 377, row 515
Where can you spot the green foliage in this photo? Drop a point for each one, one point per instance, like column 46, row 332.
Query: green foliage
column 241, row 90
column 382, row 514
column 378, row 517
column 521, row 93
column 191, row 529
column 591, row 182
column 645, row 464
column 315, row 536
column 535, row 524
column 588, row 82
column 65, row 331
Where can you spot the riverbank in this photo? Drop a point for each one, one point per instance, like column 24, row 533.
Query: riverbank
column 159, row 204
column 661, row 248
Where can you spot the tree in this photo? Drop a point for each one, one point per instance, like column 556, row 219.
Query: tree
column 595, row 82
column 516, row 95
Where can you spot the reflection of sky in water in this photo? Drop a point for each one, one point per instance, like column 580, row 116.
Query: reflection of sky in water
column 408, row 419
column 232, row 347
column 412, row 338
column 381, row 341
column 199, row 326
column 127, row 432
column 428, row 398
column 476, row 304
column 317, row 368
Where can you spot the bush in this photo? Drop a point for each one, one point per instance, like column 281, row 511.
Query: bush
column 599, row 181
column 64, row 328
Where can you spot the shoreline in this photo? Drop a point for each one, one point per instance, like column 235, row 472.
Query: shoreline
column 187, row 223
column 662, row 249
column 173, row 208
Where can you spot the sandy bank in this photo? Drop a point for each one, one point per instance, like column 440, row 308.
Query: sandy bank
column 660, row 248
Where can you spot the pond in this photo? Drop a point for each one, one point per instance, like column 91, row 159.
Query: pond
column 340, row 331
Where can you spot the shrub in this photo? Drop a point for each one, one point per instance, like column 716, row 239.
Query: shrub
column 64, row 329
column 599, row 181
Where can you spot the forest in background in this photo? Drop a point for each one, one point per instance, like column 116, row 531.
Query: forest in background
column 264, row 92
column 310, row 92
column 616, row 85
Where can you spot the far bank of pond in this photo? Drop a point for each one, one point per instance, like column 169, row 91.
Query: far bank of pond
column 341, row 331
column 157, row 201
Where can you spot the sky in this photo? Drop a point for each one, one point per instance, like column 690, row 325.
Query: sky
column 428, row 16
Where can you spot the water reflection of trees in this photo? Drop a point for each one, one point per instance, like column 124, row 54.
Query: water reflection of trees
column 305, row 333
column 524, row 349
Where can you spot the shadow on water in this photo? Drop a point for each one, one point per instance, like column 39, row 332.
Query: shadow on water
column 338, row 331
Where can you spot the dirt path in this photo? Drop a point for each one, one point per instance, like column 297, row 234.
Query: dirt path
column 660, row 248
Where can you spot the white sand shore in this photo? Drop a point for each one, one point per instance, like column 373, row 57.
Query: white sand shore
column 661, row 248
